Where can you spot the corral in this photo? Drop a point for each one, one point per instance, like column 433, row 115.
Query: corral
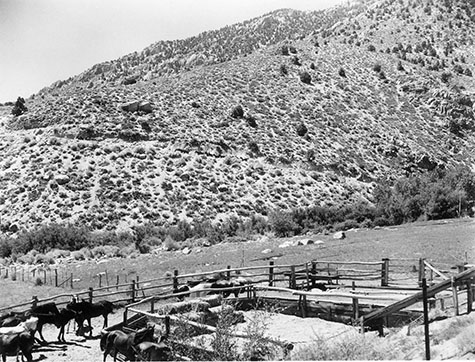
column 367, row 295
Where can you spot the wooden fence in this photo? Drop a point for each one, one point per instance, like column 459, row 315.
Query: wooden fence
column 292, row 276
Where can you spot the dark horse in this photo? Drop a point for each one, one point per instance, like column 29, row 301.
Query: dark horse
column 86, row 311
column 118, row 341
column 12, row 344
column 47, row 313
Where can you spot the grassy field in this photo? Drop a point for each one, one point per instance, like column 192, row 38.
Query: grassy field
column 445, row 243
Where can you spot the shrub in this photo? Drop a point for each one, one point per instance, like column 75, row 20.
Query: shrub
column 170, row 244
column 237, row 112
column 400, row 67
column 296, row 61
column 5, row 248
column 38, row 282
column 302, row 129
column 371, row 48
column 305, row 78
column 251, row 121
column 342, row 73
column 283, row 69
column 19, row 108
column 285, row 50
column 377, row 68
column 445, row 77
column 282, row 224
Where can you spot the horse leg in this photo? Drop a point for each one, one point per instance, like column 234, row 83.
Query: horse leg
column 90, row 327
column 40, row 332
column 61, row 334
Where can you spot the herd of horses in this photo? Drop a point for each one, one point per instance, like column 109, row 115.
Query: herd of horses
column 18, row 329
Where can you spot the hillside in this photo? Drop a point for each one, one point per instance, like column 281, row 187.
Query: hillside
column 156, row 135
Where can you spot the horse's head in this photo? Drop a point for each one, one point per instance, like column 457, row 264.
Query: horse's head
column 145, row 334
column 82, row 330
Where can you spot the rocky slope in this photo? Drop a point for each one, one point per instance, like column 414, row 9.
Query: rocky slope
column 378, row 90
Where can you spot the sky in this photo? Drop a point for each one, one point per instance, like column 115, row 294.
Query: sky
column 42, row 41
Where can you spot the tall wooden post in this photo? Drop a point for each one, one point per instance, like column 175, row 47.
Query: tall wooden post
column 314, row 272
column 152, row 306
column 455, row 297
column 175, row 280
column 421, row 271
column 132, row 293
column 385, row 272
column 307, row 276
column 271, row 273
column 100, row 280
column 469, row 295
column 91, row 290
column 56, row 278
column 167, row 326
column 44, row 277
column 71, row 281
column 34, row 301
column 125, row 316
column 292, row 282
column 426, row 318
column 228, row 273
column 356, row 308
column 117, row 283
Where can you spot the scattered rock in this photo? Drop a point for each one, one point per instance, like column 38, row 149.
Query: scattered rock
column 186, row 250
column 131, row 106
column 266, row 251
column 339, row 235
column 145, row 107
column 305, row 242
column 61, row 179
column 286, row 244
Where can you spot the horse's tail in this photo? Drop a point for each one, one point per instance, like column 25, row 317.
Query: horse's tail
column 104, row 339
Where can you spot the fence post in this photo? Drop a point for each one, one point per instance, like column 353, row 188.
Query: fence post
column 271, row 273
column 72, row 286
column 125, row 316
column 137, row 281
column 314, row 272
column 228, row 273
column 167, row 325
column 175, row 280
column 303, row 305
column 56, row 278
column 44, row 277
column 23, row 274
column 152, row 306
column 292, row 282
column 421, row 271
column 90, row 294
column 385, row 272
column 426, row 318
column 132, row 286
column 356, row 308
column 100, row 280
column 117, row 283
column 307, row 276
column 34, row 301
column 469, row 295
column 455, row 297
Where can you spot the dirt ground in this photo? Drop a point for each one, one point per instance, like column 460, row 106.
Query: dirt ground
column 295, row 330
